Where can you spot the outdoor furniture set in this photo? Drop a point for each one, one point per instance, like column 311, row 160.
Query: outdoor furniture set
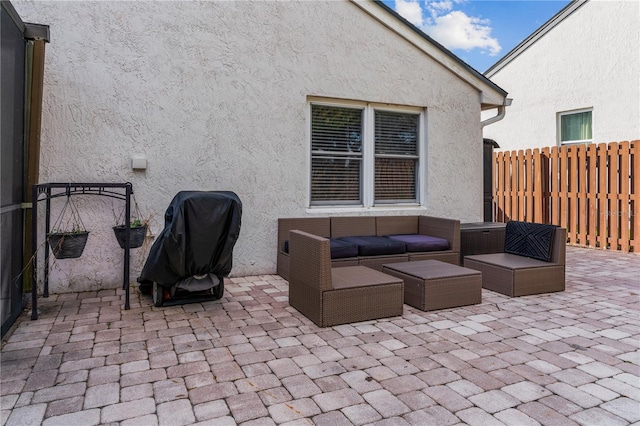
column 416, row 238
column 331, row 290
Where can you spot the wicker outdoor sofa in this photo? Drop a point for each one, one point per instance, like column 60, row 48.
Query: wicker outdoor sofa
column 341, row 228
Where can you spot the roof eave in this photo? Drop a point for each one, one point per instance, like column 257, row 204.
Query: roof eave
column 535, row 36
column 491, row 94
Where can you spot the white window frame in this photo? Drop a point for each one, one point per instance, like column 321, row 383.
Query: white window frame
column 559, row 116
column 368, row 154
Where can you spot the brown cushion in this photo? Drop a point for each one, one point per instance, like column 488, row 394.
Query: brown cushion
column 359, row 276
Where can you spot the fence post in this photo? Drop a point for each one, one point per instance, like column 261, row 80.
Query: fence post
column 592, row 195
column 634, row 187
column 603, row 189
column 513, row 188
column 581, row 194
column 545, row 185
column 612, row 194
column 623, row 193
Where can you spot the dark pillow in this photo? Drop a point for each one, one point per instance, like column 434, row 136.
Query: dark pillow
column 339, row 249
column 376, row 246
column 534, row 240
column 416, row 242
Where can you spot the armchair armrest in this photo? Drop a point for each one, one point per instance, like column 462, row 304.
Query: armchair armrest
column 310, row 263
column 443, row 228
column 558, row 252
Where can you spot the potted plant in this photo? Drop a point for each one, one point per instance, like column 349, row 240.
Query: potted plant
column 137, row 233
column 137, row 228
column 67, row 242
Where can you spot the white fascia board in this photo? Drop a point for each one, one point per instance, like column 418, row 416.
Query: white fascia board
column 491, row 95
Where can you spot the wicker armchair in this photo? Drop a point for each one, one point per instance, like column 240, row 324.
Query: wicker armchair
column 340, row 295
column 514, row 275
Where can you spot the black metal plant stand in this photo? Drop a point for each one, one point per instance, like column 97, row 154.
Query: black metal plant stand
column 121, row 191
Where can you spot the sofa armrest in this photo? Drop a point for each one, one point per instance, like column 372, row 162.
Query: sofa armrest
column 314, row 225
column 558, row 252
column 443, row 228
column 309, row 261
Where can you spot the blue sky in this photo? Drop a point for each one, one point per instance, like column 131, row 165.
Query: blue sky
column 480, row 32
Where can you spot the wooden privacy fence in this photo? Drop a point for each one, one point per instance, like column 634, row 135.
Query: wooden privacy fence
column 591, row 190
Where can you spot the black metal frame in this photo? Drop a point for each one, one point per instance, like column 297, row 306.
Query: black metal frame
column 13, row 159
column 68, row 189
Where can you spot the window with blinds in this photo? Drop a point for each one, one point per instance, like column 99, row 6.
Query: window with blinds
column 396, row 157
column 336, row 155
column 363, row 155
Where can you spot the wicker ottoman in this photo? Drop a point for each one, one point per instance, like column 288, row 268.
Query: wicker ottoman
column 431, row 284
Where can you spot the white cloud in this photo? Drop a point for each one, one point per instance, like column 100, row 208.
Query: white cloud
column 438, row 7
column 411, row 11
column 454, row 29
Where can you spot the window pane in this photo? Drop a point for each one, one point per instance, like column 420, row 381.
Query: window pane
column 575, row 127
column 335, row 179
column 336, row 155
column 396, row 157
column 336, row 129
column 396, row 133
column 395, row 179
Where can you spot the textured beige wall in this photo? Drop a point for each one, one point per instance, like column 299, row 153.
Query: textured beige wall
column 214, row 95
column 590, row 60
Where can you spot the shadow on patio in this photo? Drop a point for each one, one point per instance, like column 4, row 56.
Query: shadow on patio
column 563, row 358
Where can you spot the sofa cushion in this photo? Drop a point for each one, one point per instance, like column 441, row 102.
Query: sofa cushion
column 376, row 246
column 417, row 242
column 534, row 240
column 339, row 249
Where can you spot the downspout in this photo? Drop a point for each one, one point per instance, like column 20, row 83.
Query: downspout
column 489, row 160
column 502, row 110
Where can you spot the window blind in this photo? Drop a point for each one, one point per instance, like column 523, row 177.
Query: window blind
column 336, row 154
column 396, row 157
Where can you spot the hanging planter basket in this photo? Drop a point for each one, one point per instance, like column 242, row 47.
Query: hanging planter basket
column 136, row 235
column 67, row 245
column 137, row 228
column 69, row 236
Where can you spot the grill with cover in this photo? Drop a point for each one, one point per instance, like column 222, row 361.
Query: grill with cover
column 194, row 252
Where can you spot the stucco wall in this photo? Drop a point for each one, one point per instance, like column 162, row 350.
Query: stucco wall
column 214, row 95
column 590, row 60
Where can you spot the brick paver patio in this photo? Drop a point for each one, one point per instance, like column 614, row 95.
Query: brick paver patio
column 558, row 359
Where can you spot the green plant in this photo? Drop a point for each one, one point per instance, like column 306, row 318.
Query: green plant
column 138, row 233
column 75, row 229
column 137, row 220
column 135, row 223
column 69, row 221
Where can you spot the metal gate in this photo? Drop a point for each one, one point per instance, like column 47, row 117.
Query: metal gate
column 12, row 163
column 22, row 69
